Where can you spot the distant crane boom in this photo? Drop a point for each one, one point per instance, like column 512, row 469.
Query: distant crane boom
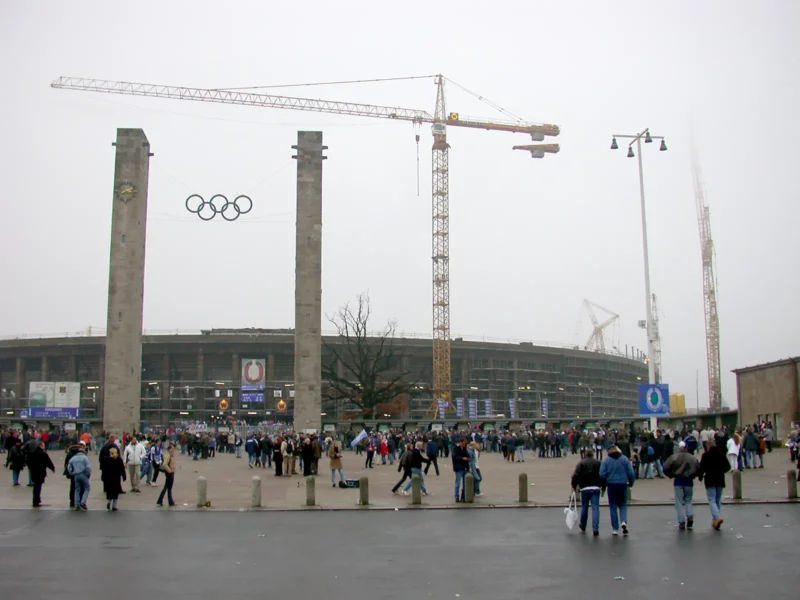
column 709, row 293
column 596, row 341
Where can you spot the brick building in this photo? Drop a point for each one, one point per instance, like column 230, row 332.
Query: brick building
column 769, row 392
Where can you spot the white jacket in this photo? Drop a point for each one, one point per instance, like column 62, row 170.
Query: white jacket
column 134, row 455
column 733, row 447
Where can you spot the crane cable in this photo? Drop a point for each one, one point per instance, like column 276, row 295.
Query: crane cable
column 494, row 105
column 288, row 85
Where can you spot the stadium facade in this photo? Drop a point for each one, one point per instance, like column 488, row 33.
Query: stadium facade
column 197, row 377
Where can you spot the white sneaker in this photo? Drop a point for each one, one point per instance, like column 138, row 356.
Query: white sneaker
column 615, row 532
column 624, row 529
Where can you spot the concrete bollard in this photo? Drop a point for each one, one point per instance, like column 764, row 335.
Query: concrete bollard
column 523, row 488
column 791, row 482
column 311, row 491
column 736, row 478
column 363, row 491
column 469, row 488
column 256, row 492
column 416, row 490
column 202, row 491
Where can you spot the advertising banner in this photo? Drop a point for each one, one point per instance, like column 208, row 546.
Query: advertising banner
column 54, row 400
column 545, row 408
column 460, row 408
column 487, row 408
column 512, row 409
column 41, row 393
column 473, row 409
column 654, row 400
column 67, row 394
column 254, row 373
column 442, row 408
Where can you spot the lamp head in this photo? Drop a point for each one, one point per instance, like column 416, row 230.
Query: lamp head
column 663, row 146
column 630, row 152
column 647, row 138
column 614, row 145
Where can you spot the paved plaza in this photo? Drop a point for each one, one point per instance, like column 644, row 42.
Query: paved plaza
column 229, row 485
column 449, row 554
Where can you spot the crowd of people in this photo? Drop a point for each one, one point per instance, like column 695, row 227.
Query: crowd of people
column 140, row 459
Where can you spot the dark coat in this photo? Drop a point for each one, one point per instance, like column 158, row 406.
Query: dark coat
column 16, row 459
column 38, row 462
column 458, row 455
column 713, row 466
column 625, row 447
column 71, row 451
column 113, row 476
column 587, row 474
column 416, row 459
column 105, row 453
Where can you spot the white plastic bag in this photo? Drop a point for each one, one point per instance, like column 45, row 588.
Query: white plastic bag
column 571, row 512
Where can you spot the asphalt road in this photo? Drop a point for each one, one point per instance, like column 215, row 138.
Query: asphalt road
column 462, row 554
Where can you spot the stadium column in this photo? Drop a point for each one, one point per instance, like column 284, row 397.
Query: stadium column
column 123, row 352
column 236, row 381
column 308, row 283
column 19, row 382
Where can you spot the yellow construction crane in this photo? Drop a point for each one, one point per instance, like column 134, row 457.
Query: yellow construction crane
column 440, row 119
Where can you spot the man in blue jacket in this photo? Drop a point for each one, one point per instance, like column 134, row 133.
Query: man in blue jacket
column 432, row 450
column 617, row 472
column 461, row 459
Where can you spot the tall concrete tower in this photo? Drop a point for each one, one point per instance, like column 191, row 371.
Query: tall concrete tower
column 123, row 360
column 308, row 283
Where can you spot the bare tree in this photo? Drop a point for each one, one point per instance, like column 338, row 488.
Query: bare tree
column 372, row 371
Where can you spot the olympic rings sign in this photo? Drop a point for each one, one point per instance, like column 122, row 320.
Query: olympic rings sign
column 218, row 205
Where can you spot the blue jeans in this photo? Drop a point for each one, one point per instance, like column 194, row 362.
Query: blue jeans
column 15, row 477
column 590, row 497
column 238, row 452
column 421, row 480
column 82, row 488
column 520, row 453
column 333, row 476
column 683, row 502
column 476, row 473
column 251, row 459
column 658, row 467
column 618, row 504
column 461, row 488
column 714, row 495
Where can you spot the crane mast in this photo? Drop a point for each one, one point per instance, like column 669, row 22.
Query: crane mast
column 709, row 294
column 440, row 120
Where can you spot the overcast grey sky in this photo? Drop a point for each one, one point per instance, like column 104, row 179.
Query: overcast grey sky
column 530, row 238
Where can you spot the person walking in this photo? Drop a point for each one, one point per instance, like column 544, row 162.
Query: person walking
column 460, row 458
column 733, row 449
column 335, row 454
column 750, row 449
column 169, row 474
column 133, row 457
column 432, row 451
column 287, row 450
column 156, row 460
column 72, row 450
column 38, row 463
column 80, row 469
column 404, row 465
column 370, row 453
column 277, row 456
column 587, row 482
column 307, row 453
column 617, row 473
column 415, row 461
column 253, row 450
column 683, row 467
column 713, row 466
column 769, row 436
column 316, row 444
column 15, row 461
column 113, row 469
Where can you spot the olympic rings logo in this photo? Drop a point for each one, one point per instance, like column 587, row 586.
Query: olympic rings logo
column 208, row 209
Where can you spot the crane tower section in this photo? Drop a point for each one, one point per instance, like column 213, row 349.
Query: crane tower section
column 709, row 294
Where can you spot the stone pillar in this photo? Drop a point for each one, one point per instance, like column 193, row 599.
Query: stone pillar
column 123, row 365
column 363, row 491
column 101, row 392
column 308, row 283
column 736, row 480
column 72, row 368
column 45, row 370
column 469, row 488
column 166, row 383
column 311, row 491
column 256, row 492
column 416, row 489
column 202, row 491
column 19, row 382
column 791, row 482
column 270, row 368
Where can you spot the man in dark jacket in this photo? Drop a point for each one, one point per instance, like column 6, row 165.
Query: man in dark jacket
column 432, row 450
column 750, row 446
column 460, row 458
column 38, row 463
column 404, row 465
column 16, row 461
column 587, row 481
column 683, row 467
column 713, row 466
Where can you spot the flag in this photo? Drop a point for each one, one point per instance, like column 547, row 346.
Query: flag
column 359, row 437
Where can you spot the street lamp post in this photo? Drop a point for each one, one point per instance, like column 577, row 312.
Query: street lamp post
column 648, row 138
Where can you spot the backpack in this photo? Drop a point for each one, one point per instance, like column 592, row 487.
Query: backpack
column 73, row 470
column 289, row 447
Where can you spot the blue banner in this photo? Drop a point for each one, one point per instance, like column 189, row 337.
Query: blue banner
column 487, row 408
column 654, row 400
column 545, row 408
column 43, row 412
column 473, row 408
column 460, row 408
